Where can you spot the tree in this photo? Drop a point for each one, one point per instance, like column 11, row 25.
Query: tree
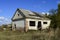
column 52, row 16
column 58, row 16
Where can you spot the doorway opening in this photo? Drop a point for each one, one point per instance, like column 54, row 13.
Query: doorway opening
column 39, row 25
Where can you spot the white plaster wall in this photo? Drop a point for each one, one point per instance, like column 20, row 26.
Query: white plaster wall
column 36, row 24
column 44, row 26
column 16, row 15
column 19, row 24
column 32, row 27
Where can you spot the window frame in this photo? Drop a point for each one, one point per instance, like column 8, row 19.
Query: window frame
column 45, row 22
column 31, row 23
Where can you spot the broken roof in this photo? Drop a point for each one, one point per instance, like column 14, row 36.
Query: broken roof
column 31, row 14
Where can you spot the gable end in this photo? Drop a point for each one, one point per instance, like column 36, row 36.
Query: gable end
column 18, row 15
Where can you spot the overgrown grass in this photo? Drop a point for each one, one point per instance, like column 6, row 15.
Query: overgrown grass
column 30, row 35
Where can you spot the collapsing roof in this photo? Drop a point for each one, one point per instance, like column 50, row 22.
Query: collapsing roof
column 30, row 14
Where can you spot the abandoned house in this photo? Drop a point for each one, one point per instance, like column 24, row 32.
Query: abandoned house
column 29, row 20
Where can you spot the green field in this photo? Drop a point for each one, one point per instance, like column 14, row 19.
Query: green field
column 30, row 35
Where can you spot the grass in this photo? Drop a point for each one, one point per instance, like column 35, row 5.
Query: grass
column 30, row 35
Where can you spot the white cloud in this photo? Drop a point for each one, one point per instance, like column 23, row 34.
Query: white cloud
column 1, row 17
column 4, row 20
column 45, row 13
column 0, row 21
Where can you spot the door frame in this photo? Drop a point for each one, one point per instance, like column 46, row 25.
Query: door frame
column 39, row 28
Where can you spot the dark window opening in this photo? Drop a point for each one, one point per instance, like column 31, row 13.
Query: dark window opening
column 44, row 22
column 18, row 14
column 32, row 23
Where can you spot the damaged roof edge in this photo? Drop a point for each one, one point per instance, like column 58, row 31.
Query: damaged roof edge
column 25, row 14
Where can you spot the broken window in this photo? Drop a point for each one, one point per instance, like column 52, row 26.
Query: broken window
column 44, row 22
column 32, row 23
column 18, row 14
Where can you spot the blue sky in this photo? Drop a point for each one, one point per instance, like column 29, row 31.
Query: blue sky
column 8, row 7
